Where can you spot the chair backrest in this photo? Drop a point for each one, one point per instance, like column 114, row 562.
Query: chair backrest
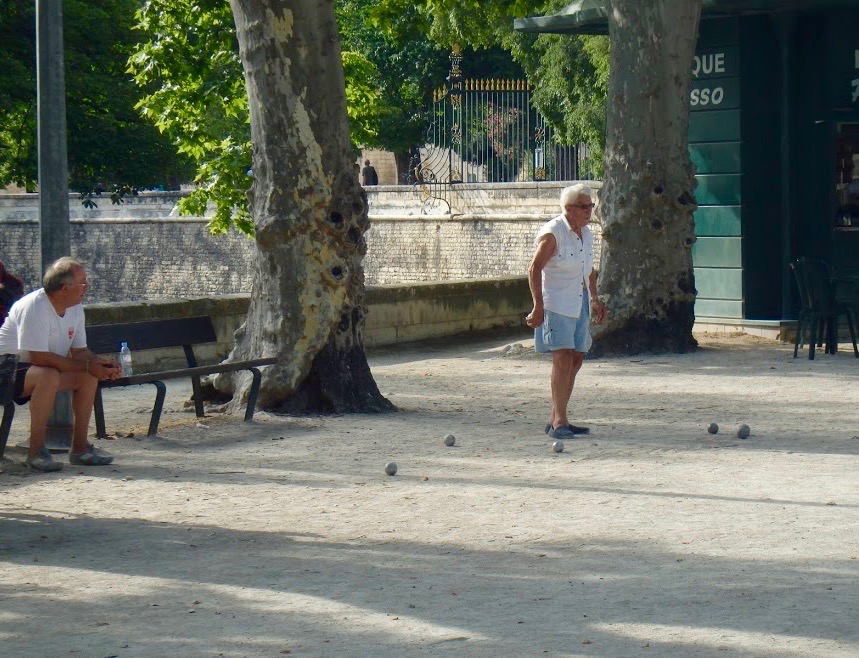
column 8, row 366
column 814, row 282
column 105, row 338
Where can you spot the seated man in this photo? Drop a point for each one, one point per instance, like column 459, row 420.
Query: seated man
column 46, row 330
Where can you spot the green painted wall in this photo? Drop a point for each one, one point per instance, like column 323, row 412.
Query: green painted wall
column 715, row 147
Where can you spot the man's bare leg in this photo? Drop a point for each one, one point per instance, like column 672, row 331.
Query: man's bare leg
column 83, row 389
column 565, row 366
column 40, row 385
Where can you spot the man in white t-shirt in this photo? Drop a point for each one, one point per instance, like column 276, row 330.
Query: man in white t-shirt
column 564, row 289
column 46, row 330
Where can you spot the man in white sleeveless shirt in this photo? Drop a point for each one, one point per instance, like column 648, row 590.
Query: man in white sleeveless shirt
column 564, row 289
column 46, row 330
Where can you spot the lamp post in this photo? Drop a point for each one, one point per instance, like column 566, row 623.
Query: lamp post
column 53, row 160
column 53, row 171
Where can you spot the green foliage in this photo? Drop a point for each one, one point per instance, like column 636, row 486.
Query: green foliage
column 362, row 97
column 195, row 94
column 570, row 89
column 569, row 73
column 108, row 141
column 476, row 23
column 408, row 66
column 394, row 55
column 192, row 73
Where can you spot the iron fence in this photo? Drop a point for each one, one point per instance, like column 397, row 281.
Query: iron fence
column 488, row 132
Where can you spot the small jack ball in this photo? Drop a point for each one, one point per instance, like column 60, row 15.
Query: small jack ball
column 558, row 446
column 449, row 440
column 712, row 428
column 744, row 431
column 391, row 468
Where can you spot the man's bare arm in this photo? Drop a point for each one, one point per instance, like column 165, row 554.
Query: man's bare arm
column 546, row 248
column 80, row 360
column 599, row 312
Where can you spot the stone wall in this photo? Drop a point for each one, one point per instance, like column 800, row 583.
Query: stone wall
column 143, row 250
column 395, row 314
column 139, row 259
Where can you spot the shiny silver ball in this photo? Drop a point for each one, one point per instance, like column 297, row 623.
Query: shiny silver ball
column 391, row 468
column 712, row 428
column 449, row 440
column 744, row 431
column 558, row 446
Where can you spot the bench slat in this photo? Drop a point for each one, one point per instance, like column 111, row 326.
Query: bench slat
column 152, row 334
column 199, row 371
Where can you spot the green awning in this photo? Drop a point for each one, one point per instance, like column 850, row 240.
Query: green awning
column 579, row 17
column 591, row 16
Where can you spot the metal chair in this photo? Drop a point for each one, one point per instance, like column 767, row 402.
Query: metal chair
column 820, row 312
column 8, row 366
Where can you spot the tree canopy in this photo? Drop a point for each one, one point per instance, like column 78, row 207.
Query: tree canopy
column 569, row 74
column 394, row 55
column 189, row 63
column 108, row 141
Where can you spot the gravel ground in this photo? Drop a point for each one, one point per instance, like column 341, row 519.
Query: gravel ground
column 649, row 537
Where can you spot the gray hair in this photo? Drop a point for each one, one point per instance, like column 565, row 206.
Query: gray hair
column 572, row 194
column 60, row 273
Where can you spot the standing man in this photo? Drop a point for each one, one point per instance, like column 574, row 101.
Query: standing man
column 369, row 174
column 564, row 289
column 46, row 330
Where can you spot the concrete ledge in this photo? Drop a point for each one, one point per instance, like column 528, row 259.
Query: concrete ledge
column 400, row 313
column 397, row 313
column 780, row 330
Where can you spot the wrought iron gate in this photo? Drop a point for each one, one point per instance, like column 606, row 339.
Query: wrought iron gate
column 487, row 131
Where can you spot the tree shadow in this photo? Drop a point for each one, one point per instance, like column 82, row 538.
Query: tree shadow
column 199, row 592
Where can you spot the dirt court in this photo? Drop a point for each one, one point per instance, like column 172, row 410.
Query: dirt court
column 650, row 537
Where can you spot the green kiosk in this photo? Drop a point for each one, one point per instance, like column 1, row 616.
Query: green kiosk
column 774, row 134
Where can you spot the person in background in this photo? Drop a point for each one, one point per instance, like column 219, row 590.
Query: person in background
column 368, row 173
column 46, row 330
column 563, row 286
column 11, row 290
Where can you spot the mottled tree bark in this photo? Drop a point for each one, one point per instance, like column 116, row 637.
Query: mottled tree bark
column 646, row 203
column 310, row 213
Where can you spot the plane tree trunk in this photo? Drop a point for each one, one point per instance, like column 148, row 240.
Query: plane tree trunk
column 647, row 201
column 310, row 215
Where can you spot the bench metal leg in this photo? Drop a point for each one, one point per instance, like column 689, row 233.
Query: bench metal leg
column 253, row 394
column 812, row 339
column 6, row 425
column 198, row 397
column 98, row 407
column 157, row 408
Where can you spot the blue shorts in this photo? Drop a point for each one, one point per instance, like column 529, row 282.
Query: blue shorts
column 561, row 332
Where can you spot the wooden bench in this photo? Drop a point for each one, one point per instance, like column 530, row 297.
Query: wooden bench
column 155, row 334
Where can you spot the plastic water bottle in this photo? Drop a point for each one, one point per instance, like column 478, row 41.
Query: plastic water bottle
column 125, row 360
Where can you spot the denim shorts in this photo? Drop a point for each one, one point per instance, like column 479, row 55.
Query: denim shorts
column 561, row 332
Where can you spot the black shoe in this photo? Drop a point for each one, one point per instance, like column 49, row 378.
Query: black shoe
column 575, row 429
